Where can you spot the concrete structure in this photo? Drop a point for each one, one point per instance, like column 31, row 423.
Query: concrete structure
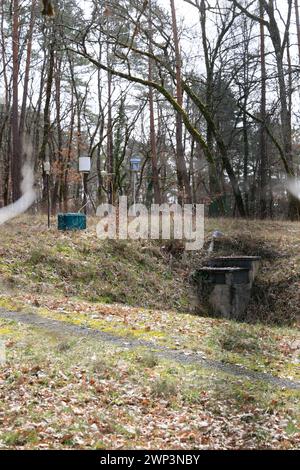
column 225, row 285
column 249, row 262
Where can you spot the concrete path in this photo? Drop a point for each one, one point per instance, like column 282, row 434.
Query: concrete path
column 182, row 357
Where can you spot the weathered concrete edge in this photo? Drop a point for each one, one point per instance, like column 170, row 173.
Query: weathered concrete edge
column 182, row 357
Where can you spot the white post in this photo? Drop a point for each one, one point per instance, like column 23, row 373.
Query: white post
column 2, row 353
column 134, row 189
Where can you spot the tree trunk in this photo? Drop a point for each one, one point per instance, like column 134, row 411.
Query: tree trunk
column 185, row 194
column 298, row 25
column 27, row 68
column 16, row 163
column 155, row 175
column 246, row 157
column 110, row 142
column 60, row 156
column 47, row 122
column 263, row 116
column 214, row 182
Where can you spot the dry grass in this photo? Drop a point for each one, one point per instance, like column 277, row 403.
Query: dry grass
column 92, row 396
column 149, row 274
column 58, row 392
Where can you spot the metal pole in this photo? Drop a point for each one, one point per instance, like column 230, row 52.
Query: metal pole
column 48, row 199
column 134, row 189
column 85, row 178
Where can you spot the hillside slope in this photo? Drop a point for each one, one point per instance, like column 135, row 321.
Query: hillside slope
column 143, row 291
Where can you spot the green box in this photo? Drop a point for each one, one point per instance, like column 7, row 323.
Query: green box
column 71, row 221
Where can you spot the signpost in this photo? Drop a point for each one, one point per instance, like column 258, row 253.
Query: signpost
column 47, row 169
column 135, row 165
column 84, row 169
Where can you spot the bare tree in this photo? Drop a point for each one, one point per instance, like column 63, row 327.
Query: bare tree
column 155, row 175
column 185, row 194
column 298, row 25
column 280, row 42
column 16, row 163
column 263, row 116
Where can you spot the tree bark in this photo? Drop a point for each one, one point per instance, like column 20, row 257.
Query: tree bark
column 47, row 121
column 16, row 163
column 185, row 193
column 27, row 68
column 153, row 145
column 298, row 25
column 263, row 116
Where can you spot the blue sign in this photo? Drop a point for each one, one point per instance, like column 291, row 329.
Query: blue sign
column 135, row 163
